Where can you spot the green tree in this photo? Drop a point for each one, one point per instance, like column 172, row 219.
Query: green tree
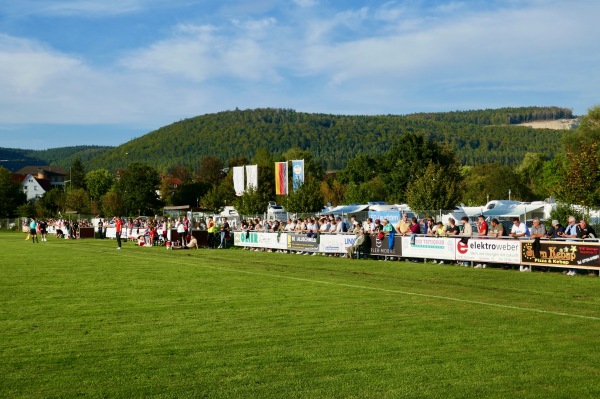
column 251, row 202
column 238, row 161
column 98, row 182
column 438, row 188
column 359, row 169
column 137, row 186
column 551, row 177
column 333, row 191
column 11, row 194
column 587, row 133
column 531, row 173
column 181, row 172
column 361, row 193
column 493, row 181
column 27, row 209
column 562, row 213
column 312, row 168
column 582, row 176
column 266, row 172
column 408, row 159
column 52, row 202
column 76, row 175
column 214, row 200
column 307, row 198
column 210, row 171
column 190, row 194
column 78, row 200
column 112, row 204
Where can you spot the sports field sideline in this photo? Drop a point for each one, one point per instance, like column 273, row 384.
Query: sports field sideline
column 81, row 319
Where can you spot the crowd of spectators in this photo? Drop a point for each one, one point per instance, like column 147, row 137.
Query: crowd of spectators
column 311, row 226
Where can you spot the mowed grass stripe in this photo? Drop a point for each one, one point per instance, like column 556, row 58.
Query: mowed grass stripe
column 82, row 319
column 258, row 259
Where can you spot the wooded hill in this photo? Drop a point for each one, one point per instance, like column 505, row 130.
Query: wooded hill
column 14, row 158
column 477, row 136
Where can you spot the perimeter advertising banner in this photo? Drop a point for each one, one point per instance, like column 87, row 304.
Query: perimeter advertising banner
column 256, row 239
column 490, row 250
column 382, row 247
column 429, row 247
column 300, row 242
column 562, row 254
column 335, row 243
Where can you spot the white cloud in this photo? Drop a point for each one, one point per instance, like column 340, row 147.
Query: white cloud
column 390, row 59
column 94, row 8
column 202, row 53
column 306, row 3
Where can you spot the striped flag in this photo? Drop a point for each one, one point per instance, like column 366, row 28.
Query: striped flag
column 281, row 178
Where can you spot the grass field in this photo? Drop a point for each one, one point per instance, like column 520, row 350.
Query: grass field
column 81, row 319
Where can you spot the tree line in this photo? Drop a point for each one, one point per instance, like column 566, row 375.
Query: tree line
column 333, row 140
column 415, row 169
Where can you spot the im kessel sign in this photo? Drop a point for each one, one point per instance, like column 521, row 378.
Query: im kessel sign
column 562, row 254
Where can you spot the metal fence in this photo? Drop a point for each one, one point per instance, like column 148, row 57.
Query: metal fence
column 10, row 224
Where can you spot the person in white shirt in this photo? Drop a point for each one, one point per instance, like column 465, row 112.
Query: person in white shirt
column 369, row 226
column 333, row 226
column 338, row 225
column 324, row 225
column 519, row 230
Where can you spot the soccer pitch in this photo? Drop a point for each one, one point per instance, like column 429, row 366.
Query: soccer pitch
column 81, row 319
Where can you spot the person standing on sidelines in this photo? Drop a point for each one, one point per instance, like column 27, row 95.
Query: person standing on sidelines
column 466, row 233
column 118, row 228
column 224, row 233
column 211, row 232
column 181, row 233
column 33, row 230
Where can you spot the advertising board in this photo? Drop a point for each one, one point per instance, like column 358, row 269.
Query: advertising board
column 381, row 247
column 256, row 239
column 301, row 242
column 335, row 243
column 489, row 250
column 562, row 254
column 429, row 247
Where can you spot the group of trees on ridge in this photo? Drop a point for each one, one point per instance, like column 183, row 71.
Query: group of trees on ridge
column 415, row 169
column 333, row 140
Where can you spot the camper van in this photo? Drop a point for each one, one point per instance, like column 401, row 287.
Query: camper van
column 276, row 212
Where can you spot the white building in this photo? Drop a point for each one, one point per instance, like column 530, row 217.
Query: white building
column 35, row 187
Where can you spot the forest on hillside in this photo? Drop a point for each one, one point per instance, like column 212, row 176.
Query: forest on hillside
column 335, row 139
column 14, row 158
column 500, row 116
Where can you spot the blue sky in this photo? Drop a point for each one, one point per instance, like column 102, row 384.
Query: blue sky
column 75, row 72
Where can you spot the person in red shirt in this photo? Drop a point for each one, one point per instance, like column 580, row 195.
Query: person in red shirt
column 482, row 226
column 482, row 231
column 119, row 227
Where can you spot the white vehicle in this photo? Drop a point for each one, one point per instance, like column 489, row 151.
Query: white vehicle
column 276, row 212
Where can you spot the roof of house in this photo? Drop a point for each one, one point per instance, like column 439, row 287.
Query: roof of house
column 19, row 177
column 44, row 183
column 47, row 169
column 175, row 181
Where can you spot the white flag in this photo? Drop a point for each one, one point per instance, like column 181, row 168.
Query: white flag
column 251, row 176
column 238, row 180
